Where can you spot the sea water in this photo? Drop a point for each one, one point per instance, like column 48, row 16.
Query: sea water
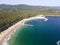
column 41, row 33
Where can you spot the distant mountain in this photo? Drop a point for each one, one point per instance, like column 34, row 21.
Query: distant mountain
column 30, row 6
column 56, row 7
column 23, row 7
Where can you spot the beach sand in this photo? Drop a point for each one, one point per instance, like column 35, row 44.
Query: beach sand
column 6, row 33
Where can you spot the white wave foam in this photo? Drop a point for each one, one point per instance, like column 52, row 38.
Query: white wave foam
column 28, row 25
column 5, row 42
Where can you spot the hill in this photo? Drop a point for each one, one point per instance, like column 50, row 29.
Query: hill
column 23, row 6
column 10, row 14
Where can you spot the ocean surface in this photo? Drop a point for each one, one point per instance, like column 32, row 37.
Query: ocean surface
column 41, row 33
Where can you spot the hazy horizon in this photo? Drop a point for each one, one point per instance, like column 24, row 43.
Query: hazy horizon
column 28, row 5
column 32, row 2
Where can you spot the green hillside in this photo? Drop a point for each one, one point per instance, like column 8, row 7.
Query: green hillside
column 10, row 14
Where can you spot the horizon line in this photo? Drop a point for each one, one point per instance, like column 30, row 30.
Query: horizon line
column 24, row 4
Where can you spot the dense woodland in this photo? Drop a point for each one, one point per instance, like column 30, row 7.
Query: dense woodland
column 8, row 16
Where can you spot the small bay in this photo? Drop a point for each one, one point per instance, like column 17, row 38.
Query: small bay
column 41, row 33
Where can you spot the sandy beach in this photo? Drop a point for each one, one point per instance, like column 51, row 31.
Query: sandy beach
column 8, row 32
column 52, row 15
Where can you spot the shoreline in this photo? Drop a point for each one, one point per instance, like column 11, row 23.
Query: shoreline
column 51, row 15
column 5, row 34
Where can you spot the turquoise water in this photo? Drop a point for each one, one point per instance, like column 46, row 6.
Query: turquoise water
column 41, row 33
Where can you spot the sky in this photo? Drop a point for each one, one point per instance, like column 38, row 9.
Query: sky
column 32, row 2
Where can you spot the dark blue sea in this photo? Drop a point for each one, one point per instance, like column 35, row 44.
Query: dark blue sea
column 41, row 33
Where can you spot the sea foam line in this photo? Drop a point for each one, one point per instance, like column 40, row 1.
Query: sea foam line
column 8, row 37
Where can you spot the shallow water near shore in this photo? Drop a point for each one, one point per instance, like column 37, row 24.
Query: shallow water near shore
column 41, row 33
